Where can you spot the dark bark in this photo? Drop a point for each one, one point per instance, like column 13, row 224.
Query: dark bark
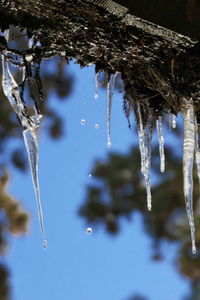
column 156, row 64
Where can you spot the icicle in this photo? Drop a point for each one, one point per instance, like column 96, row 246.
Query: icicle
column 161, row 143
column 110, row 90
column 31, row 42
column 97, row 85
column 197, row 150
column 172, row 121
column 30, row 124
column 11, row 90
column 188, row 157
column 145, row 152
column 30, row 140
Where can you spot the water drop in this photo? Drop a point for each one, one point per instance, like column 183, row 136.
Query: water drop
column 109, row 144
column 45, row 244
column 82, row 122
column 88, row 231
column 96, row 126
column 29, row 57
column 90, row 175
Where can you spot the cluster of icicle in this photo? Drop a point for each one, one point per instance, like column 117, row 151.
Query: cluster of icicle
column 29, row 124
column 190, row 147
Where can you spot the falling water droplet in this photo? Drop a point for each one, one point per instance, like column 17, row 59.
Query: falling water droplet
column 90, row 175
column 82, row 122
column 96, row 126
column 45, row 244
column 88, row 231
column 109, row 144
column 29, row 57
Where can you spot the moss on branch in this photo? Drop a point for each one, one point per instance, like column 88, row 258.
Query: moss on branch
column 157, row 65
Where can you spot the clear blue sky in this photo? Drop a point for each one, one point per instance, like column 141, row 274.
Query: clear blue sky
column 77, row 266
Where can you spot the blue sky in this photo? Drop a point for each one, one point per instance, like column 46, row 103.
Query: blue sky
column 77, row 266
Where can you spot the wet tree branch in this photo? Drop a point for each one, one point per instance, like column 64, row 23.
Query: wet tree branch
column 157, row 65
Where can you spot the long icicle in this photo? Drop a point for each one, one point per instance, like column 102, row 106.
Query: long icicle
column 145, row 152
column 188, row 158
column 110, row 90
column 161, row 143
column 197, row 150
column 30, row 124
column 30, row 140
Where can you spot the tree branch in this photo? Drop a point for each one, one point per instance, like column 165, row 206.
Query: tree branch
column 155, row 63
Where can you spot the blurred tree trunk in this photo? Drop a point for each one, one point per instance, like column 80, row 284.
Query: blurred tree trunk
column 156, row 64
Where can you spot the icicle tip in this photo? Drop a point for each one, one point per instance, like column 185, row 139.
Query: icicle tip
column 109, row 144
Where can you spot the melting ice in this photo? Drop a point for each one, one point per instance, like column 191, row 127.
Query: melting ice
column 188, row 157
column 161, row 143
column 97, row 84
column 29, row 124
column 172, row 121
column 145, row 152
column 110, row 91
column 190, row 144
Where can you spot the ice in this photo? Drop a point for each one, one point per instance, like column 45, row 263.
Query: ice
column 161, row 143
column 197, row 150
column 29, row 124
column 30, row 140
column 145, row 137
column 31, row 42
column 188, row 157
column 11, row 90
column 172, row 121
column 110, row 91
column 97, row 84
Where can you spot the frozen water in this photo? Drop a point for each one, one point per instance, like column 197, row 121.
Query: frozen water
column 188, row 157
column 161, row 143
column 30, row 140
column 97, row 84
column 29, row 124
column 145, row 152
column 110, row 91
column 197, row 150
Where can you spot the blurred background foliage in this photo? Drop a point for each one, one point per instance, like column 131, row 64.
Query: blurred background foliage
column 117, row 189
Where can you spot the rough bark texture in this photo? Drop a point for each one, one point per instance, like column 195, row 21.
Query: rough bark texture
column 156, row 64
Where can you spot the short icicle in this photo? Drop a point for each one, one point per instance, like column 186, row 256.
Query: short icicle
column 97, row 84
column 172, row 121
column 110, row 90
column 145, row 152
column 161, row 143
column 188, row 158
